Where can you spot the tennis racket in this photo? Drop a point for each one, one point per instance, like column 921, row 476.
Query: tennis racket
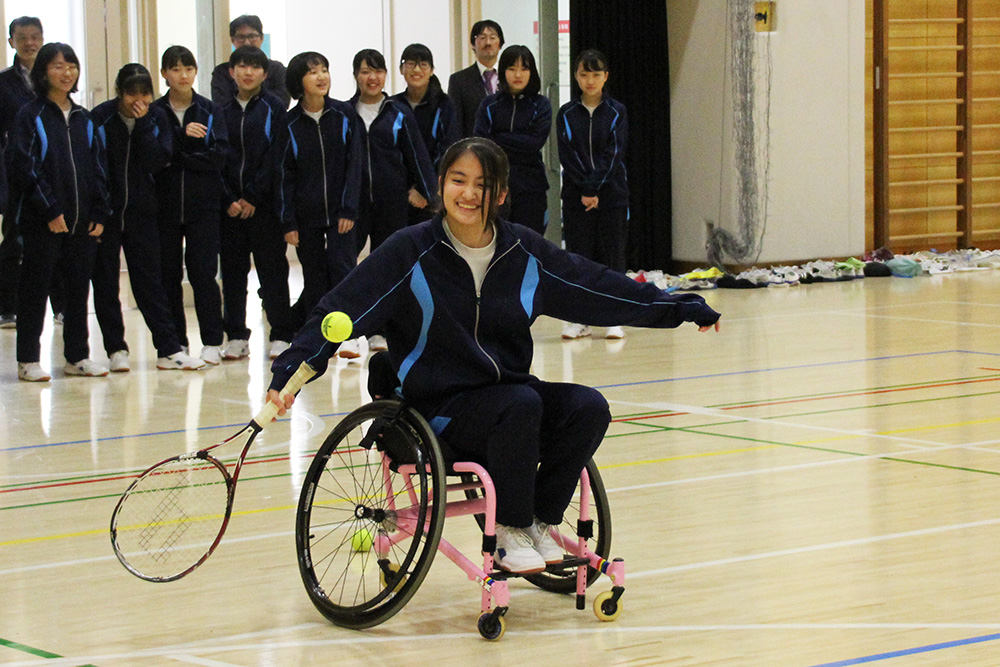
column 173, row 516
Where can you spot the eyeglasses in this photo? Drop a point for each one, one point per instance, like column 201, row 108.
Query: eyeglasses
column 246, row 36
column 63, row 67
column 414, row 64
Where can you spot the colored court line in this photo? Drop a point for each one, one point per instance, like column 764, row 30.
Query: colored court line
column 37, row 652
column 912, row 651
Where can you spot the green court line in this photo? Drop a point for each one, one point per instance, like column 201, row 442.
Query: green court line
column 37, row 652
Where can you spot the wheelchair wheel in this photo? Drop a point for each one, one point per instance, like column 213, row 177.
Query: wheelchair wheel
column 559, row 580
column 365, row 534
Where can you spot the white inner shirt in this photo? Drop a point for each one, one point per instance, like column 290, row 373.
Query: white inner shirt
column 179, row 113
column 129, row 122
column 313, row 114
column 368, row 112
column 478, row 259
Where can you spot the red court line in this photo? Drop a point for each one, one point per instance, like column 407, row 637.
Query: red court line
column 872, row 392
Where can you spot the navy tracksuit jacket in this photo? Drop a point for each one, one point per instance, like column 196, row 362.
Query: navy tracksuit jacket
column 395, row 160
column 592, row 152
column 14, row 93
column 57, row 167
column 134, row 158
column 445, row 338
column 250, row 174
column 190, row 194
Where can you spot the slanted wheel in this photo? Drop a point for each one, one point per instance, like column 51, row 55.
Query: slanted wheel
column 564, row 581
column 606, row 608
column 350, row 487
column 492, row 627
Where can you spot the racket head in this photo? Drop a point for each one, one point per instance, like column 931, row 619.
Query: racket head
column 171, row 518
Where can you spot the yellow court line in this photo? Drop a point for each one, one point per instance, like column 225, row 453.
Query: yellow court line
column 915, row 429
column 725, row 452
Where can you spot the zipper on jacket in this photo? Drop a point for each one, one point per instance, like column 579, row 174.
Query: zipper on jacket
column 76, row 181
column 512, row 112
column 322, row 154
column 128, row 153
column 371, row 184
column 590, row 140
column 243, row 150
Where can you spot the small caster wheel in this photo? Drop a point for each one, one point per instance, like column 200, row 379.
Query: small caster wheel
column 606, row 608
column 492, row 627
column 390, row 569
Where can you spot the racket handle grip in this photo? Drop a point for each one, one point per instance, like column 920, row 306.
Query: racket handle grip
column 296, row 382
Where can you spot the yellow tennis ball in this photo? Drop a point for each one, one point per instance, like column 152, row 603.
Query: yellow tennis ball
column 337, row 327
column 362, row 540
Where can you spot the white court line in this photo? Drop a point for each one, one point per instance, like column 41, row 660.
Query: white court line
column 618, row 629
column 912, row 319
column 205, row 662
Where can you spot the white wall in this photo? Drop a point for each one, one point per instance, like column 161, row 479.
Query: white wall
column 817, row 179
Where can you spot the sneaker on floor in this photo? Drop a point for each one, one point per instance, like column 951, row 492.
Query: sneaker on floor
column 85, row 368
column 516, row 551
column 32, row 372
column 211, row 354
column 377, row 344
column 614, row 333
column 544, row 543
column 235, row 349
column 573, row 331
column 350, row 349
column 179, row 361
column 279, row 346
column 118, row 362
column 8, row 321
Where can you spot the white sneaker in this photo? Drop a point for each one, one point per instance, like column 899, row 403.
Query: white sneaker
column 614, row 333
column 118, row 363
column 377, row 344
column 279, row 346
column 179, row 361
column 544, row 543
column 85, row 368
column 516, row 551
column 350, row 349
column 211, row 354
column 235, row 349
column 573, row 331
column 32, row 372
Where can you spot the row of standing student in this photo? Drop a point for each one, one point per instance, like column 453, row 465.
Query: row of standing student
column 186, row 202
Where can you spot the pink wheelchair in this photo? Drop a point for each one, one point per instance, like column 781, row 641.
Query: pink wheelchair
column 372, row 510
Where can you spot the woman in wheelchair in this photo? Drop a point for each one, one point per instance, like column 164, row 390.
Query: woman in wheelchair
column 456, row 297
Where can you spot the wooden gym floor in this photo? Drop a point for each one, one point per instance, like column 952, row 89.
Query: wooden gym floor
column 818, row 484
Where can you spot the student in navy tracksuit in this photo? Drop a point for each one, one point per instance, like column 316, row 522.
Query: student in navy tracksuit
column 457, row 296
column 189, row 194
column 60, row 200
column 253, row 119
column 138, row 143
column 397, row 170
column 433, row 109
column 15, row 92
column 318, row 181
column 518, row 118
column 593, row 132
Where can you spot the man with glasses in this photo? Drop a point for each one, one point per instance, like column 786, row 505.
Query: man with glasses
column 469, row 86
column 247, row 30
column 15, row 90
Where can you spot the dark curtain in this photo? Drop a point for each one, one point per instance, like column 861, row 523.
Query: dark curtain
column 633, row 35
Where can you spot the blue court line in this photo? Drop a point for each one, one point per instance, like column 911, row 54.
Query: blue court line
column 792, row 368
column 912, row 651
column 605, row 386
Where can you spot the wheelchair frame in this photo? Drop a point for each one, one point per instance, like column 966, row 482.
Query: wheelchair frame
column 370, row 518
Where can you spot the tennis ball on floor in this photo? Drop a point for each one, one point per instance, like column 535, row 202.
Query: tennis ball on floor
column 337, row 327
column 362, row 540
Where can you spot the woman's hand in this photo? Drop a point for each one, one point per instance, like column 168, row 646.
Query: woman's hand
column 58, row 225
column 344, row 225
column 283, row 405
column 140, row 108
column 246, row 208
column 292, row 238
column 96, row 229
column 710, row 327
column 196, row 130
column 234, row 209
column 416, row 199
column 589, row 203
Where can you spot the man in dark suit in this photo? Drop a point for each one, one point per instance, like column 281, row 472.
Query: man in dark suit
column 247, row 30
column 15, row 90
column 469, row 86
